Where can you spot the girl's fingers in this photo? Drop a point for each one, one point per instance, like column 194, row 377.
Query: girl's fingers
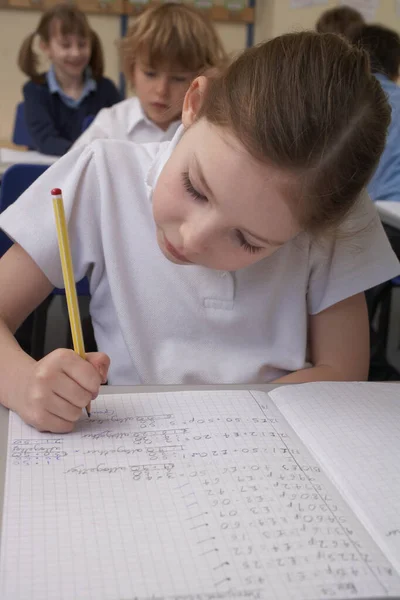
column 71, row 391
column 61, row 408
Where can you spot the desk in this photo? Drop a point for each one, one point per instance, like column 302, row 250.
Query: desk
column 11, row 155
column 389, row 212
column 112, row 390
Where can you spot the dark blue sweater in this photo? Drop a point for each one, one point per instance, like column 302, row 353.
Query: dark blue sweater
column 53, row 126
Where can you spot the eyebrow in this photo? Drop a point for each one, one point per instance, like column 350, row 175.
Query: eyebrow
column 208, row 191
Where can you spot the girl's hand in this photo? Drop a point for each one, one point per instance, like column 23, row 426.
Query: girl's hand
column 58, row 387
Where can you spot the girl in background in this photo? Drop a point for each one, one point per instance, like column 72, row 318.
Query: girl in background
column 58, row 103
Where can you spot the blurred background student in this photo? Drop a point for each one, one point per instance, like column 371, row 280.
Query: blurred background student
column 383, row 47
column 58, row 102
column 165, row 49
column 342, row 20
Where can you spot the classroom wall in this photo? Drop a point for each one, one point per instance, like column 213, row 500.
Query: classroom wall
column 273, row 17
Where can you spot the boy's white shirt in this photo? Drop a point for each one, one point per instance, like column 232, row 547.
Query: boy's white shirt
column 165, row 323
column 125, row 120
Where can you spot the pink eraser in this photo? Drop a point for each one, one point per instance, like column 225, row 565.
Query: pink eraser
column 56, row 192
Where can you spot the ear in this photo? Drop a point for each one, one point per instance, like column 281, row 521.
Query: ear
column 193, row 100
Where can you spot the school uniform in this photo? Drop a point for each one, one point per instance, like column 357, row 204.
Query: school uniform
column 385, row 184
column 126, row 121
column 54, row 119
column 165, row 323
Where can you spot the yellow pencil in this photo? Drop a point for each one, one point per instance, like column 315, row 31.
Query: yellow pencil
column 68, row 275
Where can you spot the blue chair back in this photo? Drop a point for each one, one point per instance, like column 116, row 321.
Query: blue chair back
column 15, row 181
column 21, row 135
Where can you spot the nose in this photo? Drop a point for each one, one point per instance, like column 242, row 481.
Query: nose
column 75, row 50
column 162, row 86
column 196, row 237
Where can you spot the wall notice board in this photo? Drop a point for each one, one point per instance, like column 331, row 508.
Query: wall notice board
column 237, row 12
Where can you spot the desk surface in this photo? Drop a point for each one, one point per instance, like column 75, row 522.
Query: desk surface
column 11, row 155
column 389, row 212
column 111, row 390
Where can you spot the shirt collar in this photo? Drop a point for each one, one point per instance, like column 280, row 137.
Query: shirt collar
column 166, row 149
column 89, row 86
column 137, row 116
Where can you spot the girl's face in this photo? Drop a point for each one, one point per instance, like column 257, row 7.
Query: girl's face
column 161, row 92
column 215, row 206
column 69, row 54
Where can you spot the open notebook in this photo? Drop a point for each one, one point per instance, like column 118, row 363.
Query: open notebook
column 209, row 495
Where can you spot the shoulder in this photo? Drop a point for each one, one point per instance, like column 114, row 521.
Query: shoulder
column 124, row 112
column 31, row 88
column 122, row 161
column 129, row 107
column 106, row 84
column 107, row 89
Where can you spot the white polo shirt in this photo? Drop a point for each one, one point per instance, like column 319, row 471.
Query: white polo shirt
column 125, row 120
column 165, row 323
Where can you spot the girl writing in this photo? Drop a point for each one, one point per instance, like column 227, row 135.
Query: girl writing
column 220, row 256
column 58, row 102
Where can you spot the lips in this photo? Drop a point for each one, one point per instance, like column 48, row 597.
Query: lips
column 159, row 106
column 174, row 252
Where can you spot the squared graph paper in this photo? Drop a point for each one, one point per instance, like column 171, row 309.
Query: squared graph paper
column 196, row 495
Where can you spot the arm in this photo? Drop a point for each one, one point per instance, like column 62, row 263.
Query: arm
column 51, row 393
column 339, row 338
column 41, row 125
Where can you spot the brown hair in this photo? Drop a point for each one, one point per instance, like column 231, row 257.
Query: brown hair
column 383, row 47
column 307, row 104
column 69, row 20
column 342, row 20
column 172, row 34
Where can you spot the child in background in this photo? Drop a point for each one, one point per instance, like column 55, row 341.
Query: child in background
column 165, row 49
column 222, row 255
column 383, row 46
column 58, row 102
column 342, row 20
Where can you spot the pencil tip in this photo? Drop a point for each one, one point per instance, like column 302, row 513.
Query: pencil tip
column 88, row 413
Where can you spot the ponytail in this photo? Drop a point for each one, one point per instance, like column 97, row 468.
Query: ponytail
column 96, row 62
column 28, row 59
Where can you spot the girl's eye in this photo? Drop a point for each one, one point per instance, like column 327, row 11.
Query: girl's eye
column 179, row 79
column 150, row 74
column 245, row 244
column 187, row 184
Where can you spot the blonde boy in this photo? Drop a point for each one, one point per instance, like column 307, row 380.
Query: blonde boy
column 165, row 49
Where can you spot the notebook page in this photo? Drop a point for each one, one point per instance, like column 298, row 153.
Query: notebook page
column 191, row 495
column 354, row 430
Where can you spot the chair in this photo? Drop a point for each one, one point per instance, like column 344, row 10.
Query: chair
column 21, row 136
column 15, row 181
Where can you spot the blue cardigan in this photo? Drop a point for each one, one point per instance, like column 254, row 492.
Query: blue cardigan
column 52, row 124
